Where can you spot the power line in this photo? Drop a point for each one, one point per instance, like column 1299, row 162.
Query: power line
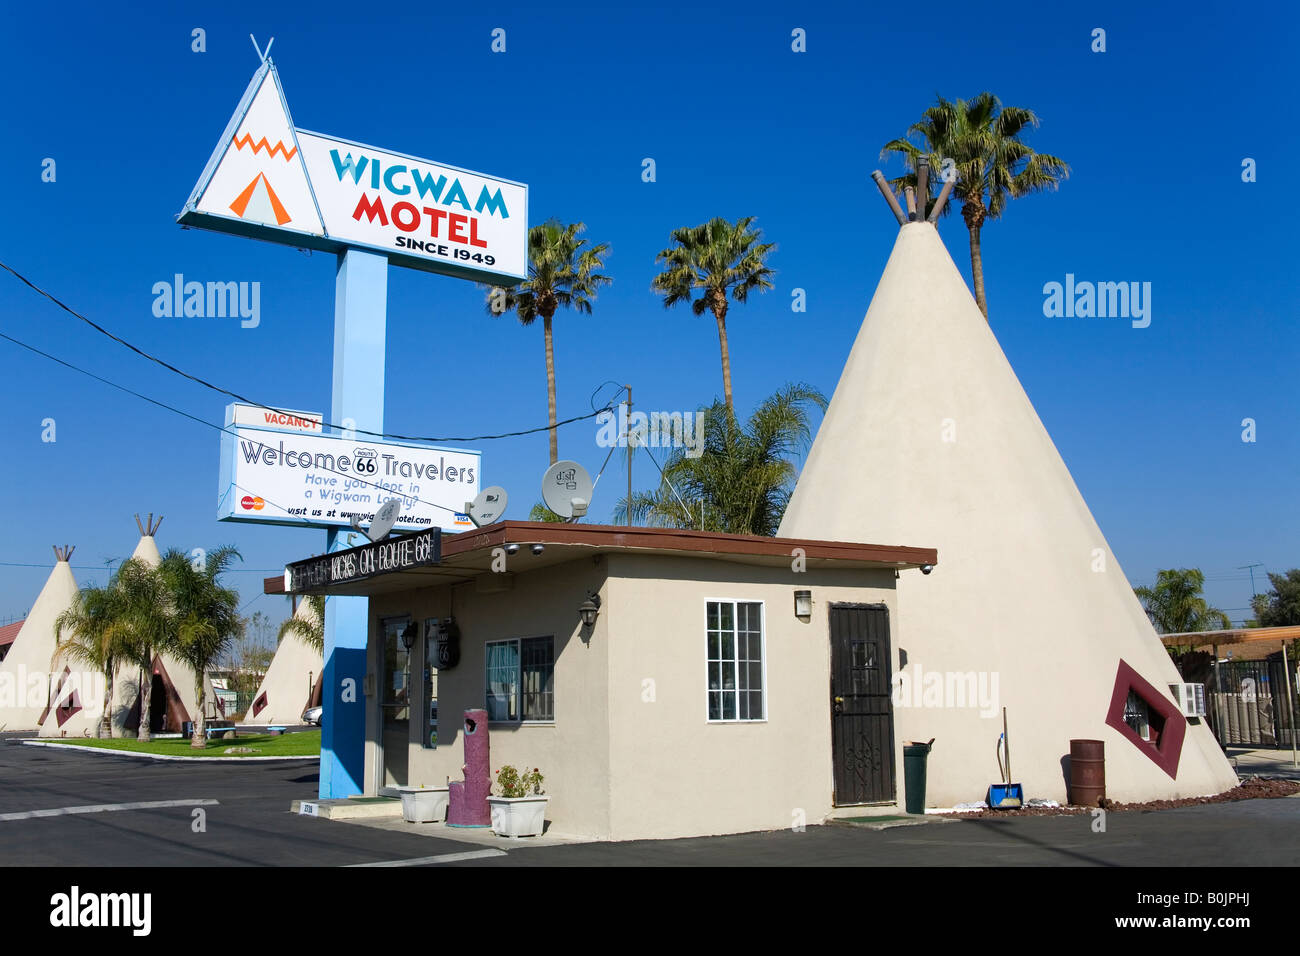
column 248, row 401
column 305, row 523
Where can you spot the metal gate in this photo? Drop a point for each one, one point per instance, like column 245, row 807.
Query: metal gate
column 862, row 714
column 1248, row 705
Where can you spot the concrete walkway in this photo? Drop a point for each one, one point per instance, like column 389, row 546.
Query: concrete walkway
column 1266, row 762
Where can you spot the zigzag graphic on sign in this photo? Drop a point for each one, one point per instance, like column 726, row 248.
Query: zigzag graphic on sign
column 262, row 144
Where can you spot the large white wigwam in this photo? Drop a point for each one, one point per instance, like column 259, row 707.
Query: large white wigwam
column 25, row 672
column 286, row 690
column 930, row 438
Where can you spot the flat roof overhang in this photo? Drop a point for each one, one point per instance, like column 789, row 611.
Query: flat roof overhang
column 1236, row 635
column 468, row 555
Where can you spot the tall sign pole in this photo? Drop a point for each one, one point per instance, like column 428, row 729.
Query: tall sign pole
column 360, row 331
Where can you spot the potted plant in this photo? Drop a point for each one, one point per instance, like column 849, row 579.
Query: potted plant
column 424, row 804
column 520, row 810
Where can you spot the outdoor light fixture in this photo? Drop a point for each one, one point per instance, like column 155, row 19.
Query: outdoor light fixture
column 803, row 604
column 589, row 609
column 512, row 549
column 408, row 637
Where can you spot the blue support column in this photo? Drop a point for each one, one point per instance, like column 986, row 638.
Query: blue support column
column 360, row 313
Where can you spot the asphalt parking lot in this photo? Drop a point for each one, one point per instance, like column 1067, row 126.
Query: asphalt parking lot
column 246, row 822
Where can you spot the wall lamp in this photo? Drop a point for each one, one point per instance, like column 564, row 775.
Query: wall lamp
column 803, row 603
column 408, row 637
column 589, row 609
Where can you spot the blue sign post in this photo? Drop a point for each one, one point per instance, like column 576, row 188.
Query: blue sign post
column 360, row 330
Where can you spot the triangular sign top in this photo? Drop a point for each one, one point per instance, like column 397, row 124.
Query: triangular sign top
column 256, row 174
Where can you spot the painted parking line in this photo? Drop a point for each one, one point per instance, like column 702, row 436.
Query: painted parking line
column 105, row 808
column 444, row 858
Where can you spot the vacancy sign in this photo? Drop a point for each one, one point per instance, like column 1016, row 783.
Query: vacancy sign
column 268, row 180
column 293, row 477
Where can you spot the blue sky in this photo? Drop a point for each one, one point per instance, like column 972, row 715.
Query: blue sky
column 1155, row 130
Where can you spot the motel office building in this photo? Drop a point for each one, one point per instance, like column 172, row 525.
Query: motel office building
column 728, row 683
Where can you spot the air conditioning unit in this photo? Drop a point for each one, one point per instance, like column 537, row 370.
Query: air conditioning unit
column 1190, row 698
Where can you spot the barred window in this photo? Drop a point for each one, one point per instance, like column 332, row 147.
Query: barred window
column 520, row 679
column 734, row 632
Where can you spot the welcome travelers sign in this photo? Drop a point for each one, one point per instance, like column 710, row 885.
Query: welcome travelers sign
column 268, row 180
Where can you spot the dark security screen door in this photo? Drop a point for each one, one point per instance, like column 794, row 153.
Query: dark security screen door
column 862, row 716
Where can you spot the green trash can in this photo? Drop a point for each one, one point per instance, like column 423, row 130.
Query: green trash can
column 914, row 758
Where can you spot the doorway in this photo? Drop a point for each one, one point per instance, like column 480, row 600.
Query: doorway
column 862, row 713
column 395, row 700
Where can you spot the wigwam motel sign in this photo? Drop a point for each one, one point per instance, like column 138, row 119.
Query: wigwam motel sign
column 268, row 180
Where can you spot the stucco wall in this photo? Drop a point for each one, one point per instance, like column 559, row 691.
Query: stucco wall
column 573, row 752
column 673, row 772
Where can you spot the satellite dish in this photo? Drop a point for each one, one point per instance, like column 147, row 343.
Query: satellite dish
column 566, row 489
column 385, row 518
column 488, row 507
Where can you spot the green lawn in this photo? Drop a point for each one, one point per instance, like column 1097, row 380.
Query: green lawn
column 303, row 744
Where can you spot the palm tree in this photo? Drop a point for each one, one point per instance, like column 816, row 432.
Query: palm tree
column 713, row 259
column 540, row 512
column 311, row 628
column 1175, row 605
column 742, row 479
column 143, row 624
column 203, row 618
column 982, row 139
column 561, row 272
column 94, row 639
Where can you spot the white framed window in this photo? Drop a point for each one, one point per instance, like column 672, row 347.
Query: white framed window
column 735, row 660
column 519, row 679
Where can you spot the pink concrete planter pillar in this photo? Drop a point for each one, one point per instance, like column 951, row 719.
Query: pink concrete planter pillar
column 467, row 800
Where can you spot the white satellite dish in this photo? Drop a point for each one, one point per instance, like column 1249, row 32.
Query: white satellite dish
column 566, row 489
column 383, row 523
column 488, row 507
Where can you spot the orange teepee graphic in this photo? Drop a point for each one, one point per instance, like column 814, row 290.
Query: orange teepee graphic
column 266, row 201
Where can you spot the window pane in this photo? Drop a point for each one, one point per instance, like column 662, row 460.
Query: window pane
column 713, row 616
column 728, row 676
column 715, row 706
column 728, row 706
column 755, row 705
column 727, row 622
column 755, row 682
column 714, row 678
column 714, row 645
column 503, row 680
column 728, row 646
column 537, row 657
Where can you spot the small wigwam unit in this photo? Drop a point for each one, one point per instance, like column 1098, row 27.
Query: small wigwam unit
column 930, row 437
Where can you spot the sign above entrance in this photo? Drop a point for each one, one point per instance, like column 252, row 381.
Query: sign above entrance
column 355, row 564
column 268, row 180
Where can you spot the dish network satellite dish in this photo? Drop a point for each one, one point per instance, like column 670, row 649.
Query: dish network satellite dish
column 383, row 522
column 488, row 507
column 566, row 489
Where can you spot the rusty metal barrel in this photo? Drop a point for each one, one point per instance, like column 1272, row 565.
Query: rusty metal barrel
column 1087, row 772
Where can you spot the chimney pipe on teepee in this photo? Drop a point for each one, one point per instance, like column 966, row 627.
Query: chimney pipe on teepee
column 888, row 193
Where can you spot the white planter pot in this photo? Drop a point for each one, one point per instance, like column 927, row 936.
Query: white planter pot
column 424, row 804
column 518, row 816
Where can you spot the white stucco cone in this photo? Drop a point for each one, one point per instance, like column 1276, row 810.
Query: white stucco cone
column 287, row 685
column 181, row 674
column 1015, row 594
column 25, row 672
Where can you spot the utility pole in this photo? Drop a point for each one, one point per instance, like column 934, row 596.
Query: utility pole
column 627, row 514
column 1251, row 568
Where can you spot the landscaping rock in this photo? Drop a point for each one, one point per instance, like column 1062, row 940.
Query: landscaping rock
column 242, row 750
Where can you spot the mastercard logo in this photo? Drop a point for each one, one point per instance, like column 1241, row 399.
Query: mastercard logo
column 249, row 503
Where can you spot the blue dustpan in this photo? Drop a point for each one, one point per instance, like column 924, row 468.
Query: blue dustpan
column 1006, row 795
